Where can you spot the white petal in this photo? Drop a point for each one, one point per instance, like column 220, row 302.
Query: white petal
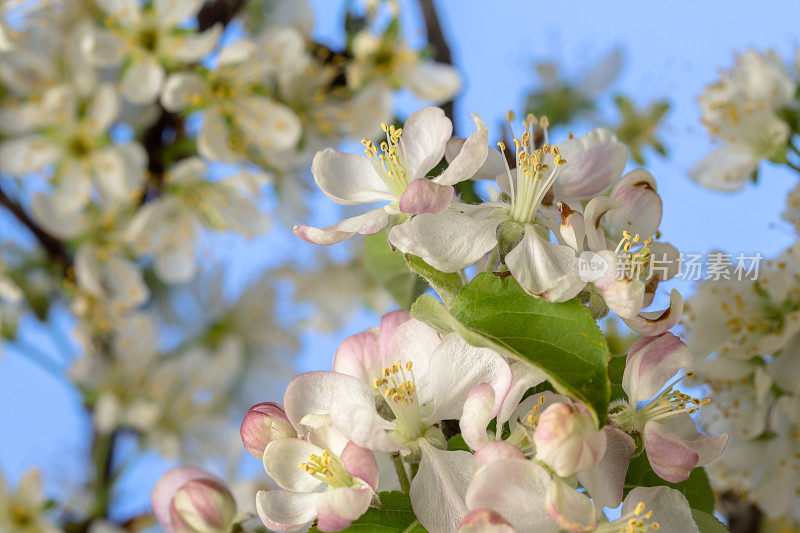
column 73, row 186
column 141, row 83
column 214, row 141
column 281, row 510
column 103, row 48
column 194, row 47
column 339, row 507
column 476, row 415
column 448, row 241
column 456, row 367
column 181, row 90
column 440, row 486
column 669, row 506
column 524, row 376
column 425, row 136
column 651, row 362
column 348, row 178
column 267, row 124
column 360, row 422
column 25, row 155
column 281, row 459
column 124, row 11
column 639, row 210
column 176, row 264
column 103, row 109
column 605, row 481
column 434, row 82
column 725, row 169
column 603, row 73
column 172, row 12
column 545, row 269
column 470, row 159
column 570, row 509
column 369, row 223
column 413, row 341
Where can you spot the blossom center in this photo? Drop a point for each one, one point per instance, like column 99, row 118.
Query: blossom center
column 391, row 162
column 329, row 469
column 638, row 521
column 536, row 170
column 522, row 435
column 396, row 385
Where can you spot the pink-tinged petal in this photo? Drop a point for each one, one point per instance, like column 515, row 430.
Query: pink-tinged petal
column 651, row 362
column 515, row 488
column 666, row 261
column 484, row 521
column 165, row 488
column 456, row 367
column 281, row 460
column 358, row 356
column 337, row 508
column 424, row 196
column 593, row 214
column 606, row 480
column 494, row 165
column 348, row 178
column 202, row 505
column 438, row 490
column 469, row 159
column 477, row 413
column 639, row 210
column 496, row 451
column 545, row 269
column 685, row 428
column 448, row 241
column 535, row 403
column 262, row 424
column 654, row 323
column 369, row 223
column 594, row 162
column 281, row 510
column 389, row 322
column 314, row 393
column 425, row 135
column 566, row 439
column 524, row 376
column 361, row 463
column 669, row 506
column 669, row 455
column 573, row 511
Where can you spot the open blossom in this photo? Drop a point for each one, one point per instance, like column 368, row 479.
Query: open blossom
column 420, row 379
column 170, row 226
column 674, row 445
column 741, row 111
column 24, row 510
column 462, row 235
column 240, row 119
column 322, row 476
column 75, row 142
column 396, row 174
column 190, row 500
column 145, row 40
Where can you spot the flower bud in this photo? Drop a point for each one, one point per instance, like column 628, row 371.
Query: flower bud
column 567, row 440
column 202, row 506
column 262, row 424
column 484, row 520
column 171, row 482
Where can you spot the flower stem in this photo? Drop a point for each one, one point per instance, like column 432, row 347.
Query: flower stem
column 401, row 472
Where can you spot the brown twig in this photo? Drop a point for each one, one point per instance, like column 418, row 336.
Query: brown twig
column 743, row 517
column 437, row 41
column 218, row 11
column 52, row 246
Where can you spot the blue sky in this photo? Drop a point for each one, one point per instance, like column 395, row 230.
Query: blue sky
column 672, row 50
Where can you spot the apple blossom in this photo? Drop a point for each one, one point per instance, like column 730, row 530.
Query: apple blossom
column 673, row 444
column 567, row 440
column 396, row 174
column 190, row 500
column 264, row 423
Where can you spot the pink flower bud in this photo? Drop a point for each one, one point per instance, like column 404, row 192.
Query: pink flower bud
column 173, row 481
column 567, row 440
column 202, row 506
column 484, row 520
column 262, row 424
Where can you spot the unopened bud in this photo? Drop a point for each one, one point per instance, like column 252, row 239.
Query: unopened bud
column 262, row 424
column 202, row 506
column 567, row 440
column 484, row 520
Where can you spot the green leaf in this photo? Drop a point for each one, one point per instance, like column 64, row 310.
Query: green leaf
column 456, row 442
column 560, row 338
column 388, row 268
column 708, row 523
column 616, row 369
column 447, row 285
column 696, row 489
column 396, row 516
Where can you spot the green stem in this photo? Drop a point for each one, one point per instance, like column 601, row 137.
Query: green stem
column 414, row 470
column 102, row 457
column 492, row 261
column 402, row 477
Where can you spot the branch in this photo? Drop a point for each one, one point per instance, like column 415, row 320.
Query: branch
column 743, row 517
column 218, row 11
column 437, row 41
column 53, row 247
